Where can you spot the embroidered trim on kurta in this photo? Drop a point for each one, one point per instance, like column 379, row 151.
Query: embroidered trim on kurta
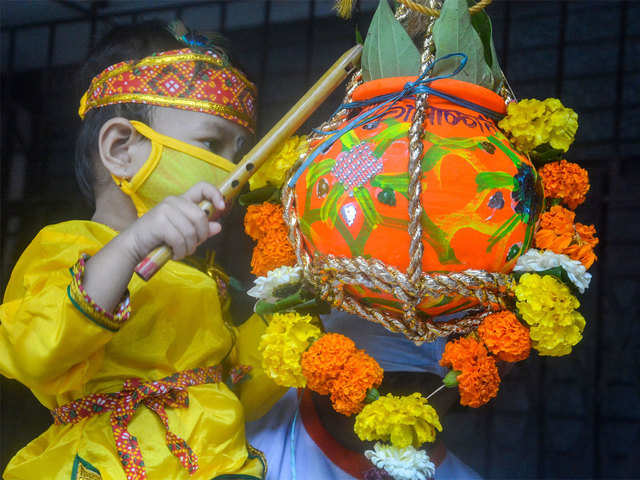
column 90, row 309
column 83, row 470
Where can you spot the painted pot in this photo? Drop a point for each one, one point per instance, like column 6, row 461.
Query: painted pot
column 481, row 198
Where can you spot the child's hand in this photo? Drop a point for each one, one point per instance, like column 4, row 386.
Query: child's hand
column 177, row 222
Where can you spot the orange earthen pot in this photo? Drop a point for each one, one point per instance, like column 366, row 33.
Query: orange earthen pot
column 481, row 198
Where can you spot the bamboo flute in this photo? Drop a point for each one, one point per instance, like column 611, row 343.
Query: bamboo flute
column 252, row 161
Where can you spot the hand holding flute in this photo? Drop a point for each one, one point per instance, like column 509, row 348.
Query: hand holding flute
column 296, row 116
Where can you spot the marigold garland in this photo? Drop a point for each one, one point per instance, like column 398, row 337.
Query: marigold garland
column 505, row 336
column 272, row 251
column 546, row 304
column 558, row 233
column 274, row 170
column 531, row 123
column 348, row 391
column 264, row 223
column 408, row 420
column 566, row 181
column 282, row 345
column 262, row 218
column 479, row 381
column 325, row 359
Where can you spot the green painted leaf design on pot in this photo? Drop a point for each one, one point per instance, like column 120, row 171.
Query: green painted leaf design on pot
column 371, row 215
column 491, row 180
column 388, row 50
column 329, row 208
column 388, row 197
column 316, row 170
column 397, row 182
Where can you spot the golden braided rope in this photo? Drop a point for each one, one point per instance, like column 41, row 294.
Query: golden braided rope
column 415, row 6
column 329, row 275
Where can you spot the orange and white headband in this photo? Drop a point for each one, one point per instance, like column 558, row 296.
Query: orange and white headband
column 200, row 80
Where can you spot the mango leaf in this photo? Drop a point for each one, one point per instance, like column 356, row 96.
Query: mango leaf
column 454, row 33
column 258, row 195
column 388, row 50
column 482, row 24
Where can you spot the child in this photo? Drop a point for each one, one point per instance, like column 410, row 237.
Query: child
column 95, row 343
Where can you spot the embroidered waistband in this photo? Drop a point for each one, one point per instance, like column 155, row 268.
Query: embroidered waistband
column 170, row 391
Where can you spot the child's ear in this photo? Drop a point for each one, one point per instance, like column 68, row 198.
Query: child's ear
column 121, row 148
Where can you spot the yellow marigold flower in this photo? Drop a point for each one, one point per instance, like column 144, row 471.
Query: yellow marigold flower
column 547, row 305
column 408, row 420
column 282, row 345
column 532, row 122
column 273, row 171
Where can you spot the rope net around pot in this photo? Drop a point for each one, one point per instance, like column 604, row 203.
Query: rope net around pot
column 329, row 274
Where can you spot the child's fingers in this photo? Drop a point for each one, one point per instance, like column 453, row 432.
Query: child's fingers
column 174, row 238
column 205, row 191
column 214, row 228
column 194, row 214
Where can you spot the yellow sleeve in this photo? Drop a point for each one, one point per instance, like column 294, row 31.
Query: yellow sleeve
column 259, row 393
column 47, row 341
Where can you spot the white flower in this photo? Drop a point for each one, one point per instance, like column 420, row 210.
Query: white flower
column 536, row 261
column 265, row 286
column 401, row 463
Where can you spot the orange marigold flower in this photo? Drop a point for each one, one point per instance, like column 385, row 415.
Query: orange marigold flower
column 505, row 336
column 479, row 385
column 262, row 218
column 558, row 219
column 359, row 374
column 272, row 251
column 462, row 354
column 582, row 248
column 479, row 381
column 566, row 181
column 323, row 362
column 558, row 234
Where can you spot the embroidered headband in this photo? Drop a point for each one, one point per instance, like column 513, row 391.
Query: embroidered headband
column 191, row 79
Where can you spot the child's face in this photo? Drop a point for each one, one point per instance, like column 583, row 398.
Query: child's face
column 210, row 132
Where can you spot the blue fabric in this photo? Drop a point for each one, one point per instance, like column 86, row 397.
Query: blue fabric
column 393, row 351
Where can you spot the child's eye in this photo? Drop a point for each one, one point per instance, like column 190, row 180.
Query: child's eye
column 211, row 145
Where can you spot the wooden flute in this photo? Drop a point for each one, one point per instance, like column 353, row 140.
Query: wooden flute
column 252, row 161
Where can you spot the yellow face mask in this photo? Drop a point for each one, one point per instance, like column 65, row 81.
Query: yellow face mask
column 172, row 168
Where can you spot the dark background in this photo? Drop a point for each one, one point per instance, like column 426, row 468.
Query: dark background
column 568, row 417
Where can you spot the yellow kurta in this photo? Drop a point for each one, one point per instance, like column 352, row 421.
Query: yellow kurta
column 176, row 324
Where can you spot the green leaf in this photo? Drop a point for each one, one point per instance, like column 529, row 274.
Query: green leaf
column 454, row 33
column 359, row 39
column 545, row 153
column 388, row 50
column 482, row 24
column 258, row 195
column 557, row 272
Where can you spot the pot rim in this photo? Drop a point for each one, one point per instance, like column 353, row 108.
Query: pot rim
column 451, row 86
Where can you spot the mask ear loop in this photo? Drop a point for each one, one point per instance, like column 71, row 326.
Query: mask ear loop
column 183, row 147
column 130, row 187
